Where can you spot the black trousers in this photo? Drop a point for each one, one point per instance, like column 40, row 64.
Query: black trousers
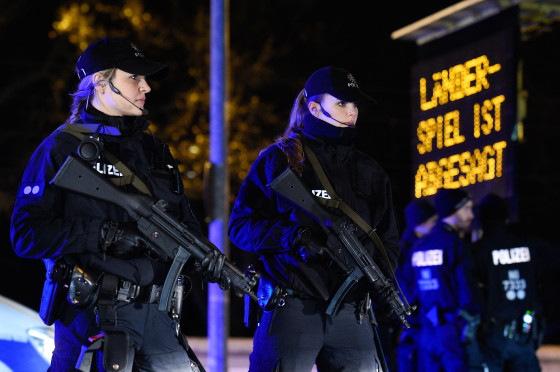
column 153, row 344
column 509, row 354
column 299, row 334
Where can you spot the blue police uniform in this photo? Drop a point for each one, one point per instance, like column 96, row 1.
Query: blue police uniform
column 441, row 289
column 416, row 213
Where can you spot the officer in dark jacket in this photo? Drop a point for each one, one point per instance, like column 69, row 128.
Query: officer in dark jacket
column 98, row 241
column 294, row 336
column 509, row 268
column 441, row 286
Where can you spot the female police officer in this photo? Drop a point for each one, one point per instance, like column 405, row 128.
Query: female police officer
column 49, row 223
column 298, row 334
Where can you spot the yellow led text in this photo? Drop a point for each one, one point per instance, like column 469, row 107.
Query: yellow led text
column 484, row 112
column 457, row 82
column 444, row 129
column 460, row 170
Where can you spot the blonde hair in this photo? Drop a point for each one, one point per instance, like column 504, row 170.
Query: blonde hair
column 84, row 92
column 290, row 142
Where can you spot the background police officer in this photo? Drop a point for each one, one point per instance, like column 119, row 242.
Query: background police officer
column 508, row 268
column 420, row 218
column 441, row 286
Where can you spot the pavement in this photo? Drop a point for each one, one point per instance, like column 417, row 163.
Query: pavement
column 238, row 350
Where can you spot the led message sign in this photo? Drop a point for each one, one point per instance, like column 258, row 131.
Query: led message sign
column 464, row 112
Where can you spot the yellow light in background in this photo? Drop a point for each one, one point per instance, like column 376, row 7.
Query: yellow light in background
column 194, row 149
column 522, row 96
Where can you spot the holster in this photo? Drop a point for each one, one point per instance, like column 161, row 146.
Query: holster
column 54, row 289
column 84, row 287
column 269, row 294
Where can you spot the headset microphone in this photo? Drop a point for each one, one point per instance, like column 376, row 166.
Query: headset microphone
column 115, row 90
column 329, row 116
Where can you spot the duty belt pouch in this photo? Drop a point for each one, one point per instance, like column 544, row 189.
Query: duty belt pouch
column 269, row 294
column 116, row 344
column 54, row 289
column 115, row 350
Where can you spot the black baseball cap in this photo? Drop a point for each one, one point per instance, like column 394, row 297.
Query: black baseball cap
column 337, row 82
column 449, row 201
column 113, row 52
column 418, row 212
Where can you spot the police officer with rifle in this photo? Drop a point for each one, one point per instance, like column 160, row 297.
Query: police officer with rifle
column 328, row 250
column 102, row 203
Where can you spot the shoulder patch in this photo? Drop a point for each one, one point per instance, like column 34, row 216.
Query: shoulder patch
column 31, row 190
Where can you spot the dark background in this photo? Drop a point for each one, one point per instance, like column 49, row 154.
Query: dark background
column 299, row 36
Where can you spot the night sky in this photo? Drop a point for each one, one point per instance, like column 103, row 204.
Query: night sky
column 303, row 35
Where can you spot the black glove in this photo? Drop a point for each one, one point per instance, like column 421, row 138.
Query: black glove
column 122, row 240
column 211, row 269
column 309, row 246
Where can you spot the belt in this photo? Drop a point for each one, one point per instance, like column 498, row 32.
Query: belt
column 288, row 292
column 129, row 292
column 515, row 328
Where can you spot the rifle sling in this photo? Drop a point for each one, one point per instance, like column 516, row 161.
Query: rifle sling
column 336, row 202
column 128, row 178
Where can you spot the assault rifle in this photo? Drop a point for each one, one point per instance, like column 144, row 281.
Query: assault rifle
column 353, row 259
column 170, row 240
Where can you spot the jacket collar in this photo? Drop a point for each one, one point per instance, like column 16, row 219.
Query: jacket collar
column 112, row 125
column 319, row 129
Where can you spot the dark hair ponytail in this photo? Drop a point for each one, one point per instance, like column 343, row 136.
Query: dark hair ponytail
column 290, row 141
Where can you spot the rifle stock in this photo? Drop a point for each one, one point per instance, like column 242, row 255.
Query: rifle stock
column 290, row 186
column 170, row 239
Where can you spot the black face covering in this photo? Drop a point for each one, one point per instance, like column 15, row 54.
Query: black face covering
column 127, row 125
column 315, row 127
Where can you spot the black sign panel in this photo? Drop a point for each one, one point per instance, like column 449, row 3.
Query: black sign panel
column 464, row 104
